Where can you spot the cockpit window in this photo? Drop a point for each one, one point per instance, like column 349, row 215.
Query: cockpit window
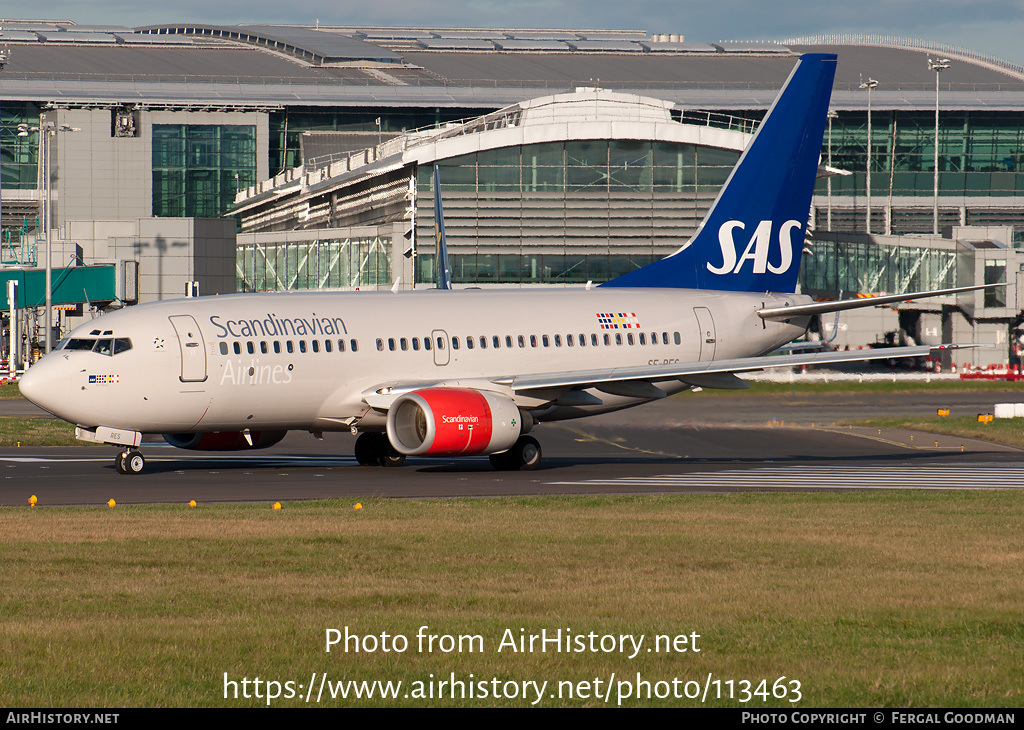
column 105, row 346
column 78, row 343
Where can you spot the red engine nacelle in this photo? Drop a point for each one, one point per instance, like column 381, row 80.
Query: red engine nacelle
column 224, row 440
column 453, row 422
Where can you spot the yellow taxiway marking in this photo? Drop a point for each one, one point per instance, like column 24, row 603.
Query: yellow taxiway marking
column 850, row 432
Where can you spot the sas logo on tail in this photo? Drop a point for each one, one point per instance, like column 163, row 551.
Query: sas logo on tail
column 757, row 250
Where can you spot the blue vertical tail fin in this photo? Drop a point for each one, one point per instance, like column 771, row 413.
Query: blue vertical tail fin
column 444, row 271
column 752, row 237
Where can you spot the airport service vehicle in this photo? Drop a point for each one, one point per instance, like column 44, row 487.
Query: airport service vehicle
column 445, row 373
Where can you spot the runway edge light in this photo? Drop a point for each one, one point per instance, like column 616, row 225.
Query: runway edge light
column 111, row 503
column 277, row 505
column 32, row 500
column 192, row 503
column 357, row 505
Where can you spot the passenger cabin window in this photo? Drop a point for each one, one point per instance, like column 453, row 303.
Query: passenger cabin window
column 316, row 345
column 426, row 343
column 250, row 348
column 277, row 347
column 354, row 344
column 676, row 338
column 237, row 348
column 469, row 343
column 341, row 345
column 483, row 342
column 223, row 348
column 328, row 345
column 380, row 345
column 455, row 343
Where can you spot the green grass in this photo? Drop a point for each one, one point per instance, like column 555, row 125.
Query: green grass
column 36, row 431
column 880, row 599
column 10, row 390
column 1002, row 430
column 872, row 386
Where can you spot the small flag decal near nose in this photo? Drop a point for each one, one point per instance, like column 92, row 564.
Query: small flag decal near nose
column 618, row 320
column 104, row 379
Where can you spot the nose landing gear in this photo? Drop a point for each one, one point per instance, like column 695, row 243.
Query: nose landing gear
column 130, row 461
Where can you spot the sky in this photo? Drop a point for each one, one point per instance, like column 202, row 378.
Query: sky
column 993, row 27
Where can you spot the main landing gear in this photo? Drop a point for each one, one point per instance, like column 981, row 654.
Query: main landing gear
column 523, row 456
column 130, row 461
column 374, row 449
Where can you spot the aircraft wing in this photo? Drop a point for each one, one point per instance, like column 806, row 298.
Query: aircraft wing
column 707, row 373
column 575, row 379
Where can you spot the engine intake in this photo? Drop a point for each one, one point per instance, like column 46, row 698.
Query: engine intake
column 224, row 440
column 453, row 422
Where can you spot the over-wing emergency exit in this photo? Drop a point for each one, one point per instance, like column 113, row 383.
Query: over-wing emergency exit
column 453, row 373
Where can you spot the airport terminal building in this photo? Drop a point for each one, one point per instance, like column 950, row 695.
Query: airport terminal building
column 278, row 158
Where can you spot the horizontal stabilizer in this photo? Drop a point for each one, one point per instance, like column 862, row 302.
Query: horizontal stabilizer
column 806, row 310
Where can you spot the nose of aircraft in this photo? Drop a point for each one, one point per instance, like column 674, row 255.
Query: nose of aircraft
column 48, row 383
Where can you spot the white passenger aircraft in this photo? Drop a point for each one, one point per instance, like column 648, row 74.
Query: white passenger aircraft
column 452, row 373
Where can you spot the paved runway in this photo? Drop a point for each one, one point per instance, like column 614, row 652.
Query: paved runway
column 680, row 445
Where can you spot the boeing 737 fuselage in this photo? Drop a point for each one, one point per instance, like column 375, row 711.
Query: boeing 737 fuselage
column 451, row 373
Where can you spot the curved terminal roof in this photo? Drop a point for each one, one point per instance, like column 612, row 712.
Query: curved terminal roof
column 582, row 114
column 187, row 65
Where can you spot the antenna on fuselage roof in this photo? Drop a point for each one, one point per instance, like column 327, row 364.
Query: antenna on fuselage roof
column 444, row 271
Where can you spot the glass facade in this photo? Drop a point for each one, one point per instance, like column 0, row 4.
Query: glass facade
column 567, row 212
column 315, row 264
column 197, row 168
column 853, row 267
column 18, row 155
column 980, row 153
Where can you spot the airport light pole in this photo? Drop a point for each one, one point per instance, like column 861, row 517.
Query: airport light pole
column 5, row 56
column 832, row 114
column 47, row 131
column 936, row 66
column 869, row 85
